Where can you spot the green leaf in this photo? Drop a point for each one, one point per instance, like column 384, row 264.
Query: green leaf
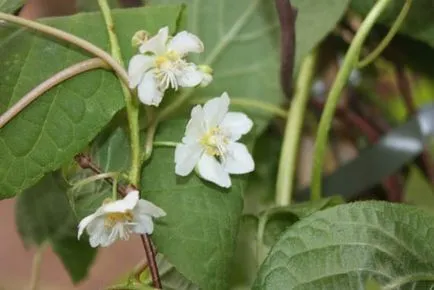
column 344, row 246
column 418, row 191
column 418, row 24
column 10, row 6
column 242, row 43
column 44, row 215
column 278, row 219
column 62, row 121
column 198, row 234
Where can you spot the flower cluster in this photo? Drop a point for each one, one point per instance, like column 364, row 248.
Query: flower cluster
column 210, row 145
column 161, row 65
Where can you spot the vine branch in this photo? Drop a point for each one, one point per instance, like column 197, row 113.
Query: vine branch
column 56, row 79
column 84, row 44
column 348, row 64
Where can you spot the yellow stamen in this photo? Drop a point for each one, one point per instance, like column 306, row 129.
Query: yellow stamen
column 118, row 217
column 212, row 140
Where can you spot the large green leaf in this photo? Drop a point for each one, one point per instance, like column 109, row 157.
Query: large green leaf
column 10, row 6
column 343, row 247
column 418, row 23
column 65, row 119
column 242, row 42
column 44, row 215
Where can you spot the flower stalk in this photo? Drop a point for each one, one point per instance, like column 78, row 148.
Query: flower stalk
column 291, row 139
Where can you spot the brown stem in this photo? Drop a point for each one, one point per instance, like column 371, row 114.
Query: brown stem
column 85, row 162
column 404, row 87
column 56, row 79
column 150, row 256
column 287, row 16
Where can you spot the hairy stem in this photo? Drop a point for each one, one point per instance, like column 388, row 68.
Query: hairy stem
column 131, row 104
column 348, row 64
column 56, row 79
column 86, row 45
column 36, row 267
column 291, row 138
column 386, row 40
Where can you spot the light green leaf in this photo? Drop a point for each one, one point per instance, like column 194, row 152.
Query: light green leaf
column 65, row 119
column 418, row 24
column 10, row 6
column 344, row 246
column 242, row 43
column 44, row 215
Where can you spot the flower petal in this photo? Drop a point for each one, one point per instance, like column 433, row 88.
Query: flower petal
column 210, row 169
column 145, row 207
column 148, row 91
column 98, row 233
column 186, row 157
column 138, row 65
column 189, row 76
column 122, row 205
column 85, row 222
column 215, row 110
column 157, row 43
column 238, row 160
column 236, row 124
column 195, row 127
column 144, row 225
column 185, row 42
column 206, row 79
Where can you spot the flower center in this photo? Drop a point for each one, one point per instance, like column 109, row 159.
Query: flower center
column 166, row 59
column 215, row 142
column 113, row 218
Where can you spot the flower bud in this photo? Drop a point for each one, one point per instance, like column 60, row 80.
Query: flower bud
column 139, row 38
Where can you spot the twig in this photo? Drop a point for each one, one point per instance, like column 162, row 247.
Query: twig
column 287, row 16
column 61, row 76
column 84, row 44
column 404, row 87
column 85, row 162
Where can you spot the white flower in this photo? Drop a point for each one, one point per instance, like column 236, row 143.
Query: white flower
column 162, row 65
column 118, row 219
column 210, row 143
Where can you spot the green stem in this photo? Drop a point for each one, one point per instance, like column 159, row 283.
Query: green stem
column 131, row 103
column 149, row 143
column 393, row 30
column 94, row 178
column 165, row 144
column 291, row 138
column 36, row 267
column 254, row 104
column 348, row 64
column 86, row 45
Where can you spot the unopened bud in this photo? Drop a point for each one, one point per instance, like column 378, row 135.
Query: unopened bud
column 139, row 38
column 205, row 68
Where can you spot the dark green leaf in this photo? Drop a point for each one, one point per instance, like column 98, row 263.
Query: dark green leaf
column 65, row 119
column 418, row 23
column 344, row 246
column 10, row 6
column 44, row 215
